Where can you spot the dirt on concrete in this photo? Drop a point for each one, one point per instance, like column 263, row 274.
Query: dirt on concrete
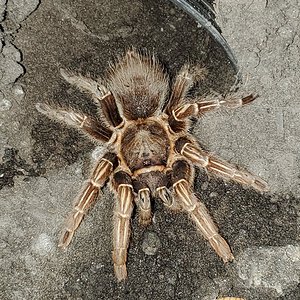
column 44, row 163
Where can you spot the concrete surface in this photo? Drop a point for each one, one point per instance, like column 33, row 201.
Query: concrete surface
column 44, row 164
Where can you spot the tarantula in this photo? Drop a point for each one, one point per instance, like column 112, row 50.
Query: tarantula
column 149, row 151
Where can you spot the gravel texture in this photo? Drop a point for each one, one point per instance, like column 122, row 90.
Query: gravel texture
column 44, row 163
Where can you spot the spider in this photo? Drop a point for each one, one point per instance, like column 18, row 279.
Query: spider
column 144, row 122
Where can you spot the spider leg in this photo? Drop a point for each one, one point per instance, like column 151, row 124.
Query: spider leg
column 122, row 214
column 163, row 192
column 101, row 95
column 165, row 195
column 143, row 201
column 110, row 110
column 217, row 166
column 197, row 109
column 182, row 175
column 79, row 121
column 144, row 205
column 185, row 79
column 88, row 195
column 84, row 83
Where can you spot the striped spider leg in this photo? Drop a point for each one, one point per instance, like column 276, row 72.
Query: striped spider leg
column 183, row 178
column 122, row 185
column 189, row 148
column 221, row 168
column 88, row 196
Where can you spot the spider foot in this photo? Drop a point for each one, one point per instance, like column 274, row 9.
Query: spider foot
column 221, row 247
column 65, row 239
column 119, row 258
column 120, row 272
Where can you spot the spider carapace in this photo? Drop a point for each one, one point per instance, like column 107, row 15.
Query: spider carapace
column 145, row 143
column 143, row 123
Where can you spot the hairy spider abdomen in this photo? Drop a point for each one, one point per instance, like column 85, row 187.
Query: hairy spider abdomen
column 139, row 84
column 145, row 143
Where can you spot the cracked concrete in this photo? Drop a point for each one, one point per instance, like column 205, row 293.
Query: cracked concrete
column 254, row 267
column 269, row 53
column 168, row 259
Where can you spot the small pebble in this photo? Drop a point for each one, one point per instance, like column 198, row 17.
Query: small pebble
column 18, row 90
column 274, row 199
column 5, row 105
column 273, row 208
column 204, row 186
column 3, row 245
column 151, row 243
column 213, row 194
column 172, row 11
